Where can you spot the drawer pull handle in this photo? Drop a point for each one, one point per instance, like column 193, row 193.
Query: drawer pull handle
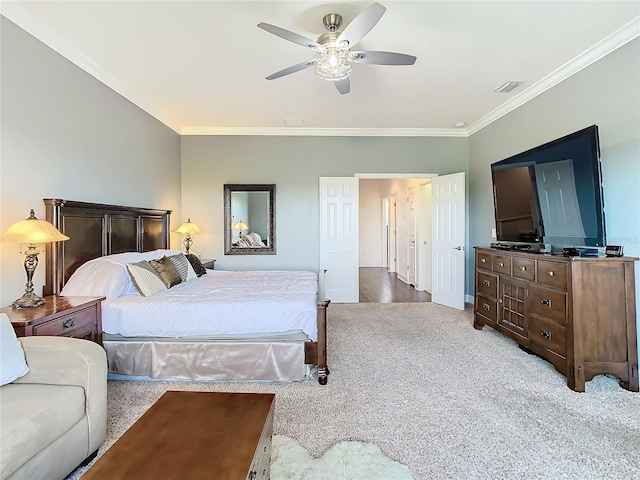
column 546, row 334
column 501, row 264
column 483, row 260
column 486, row 283
column 69, row 323
column 546, row 302
column 551, row 274
column 524, row 269
column 486, row 306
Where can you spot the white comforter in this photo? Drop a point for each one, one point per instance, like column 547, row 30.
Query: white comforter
column 220, row 303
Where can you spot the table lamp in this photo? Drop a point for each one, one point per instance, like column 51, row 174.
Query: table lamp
column 188, row 229
column 32, row 232
column 240, row 226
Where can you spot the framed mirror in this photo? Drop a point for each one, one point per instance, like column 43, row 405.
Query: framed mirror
column 249, row 219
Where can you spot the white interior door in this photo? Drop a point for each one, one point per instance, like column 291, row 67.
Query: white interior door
column 411, row 236
column 449, row 234
column 385, row 232
column 339, row 243
column 393, row 199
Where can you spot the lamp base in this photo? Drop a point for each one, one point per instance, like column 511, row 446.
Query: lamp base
column 29, row 299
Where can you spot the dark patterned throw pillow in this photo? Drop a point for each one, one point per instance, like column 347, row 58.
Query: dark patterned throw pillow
column 195, row 263
column 166, row 271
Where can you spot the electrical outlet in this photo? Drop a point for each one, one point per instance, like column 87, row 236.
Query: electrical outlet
column 493, row 233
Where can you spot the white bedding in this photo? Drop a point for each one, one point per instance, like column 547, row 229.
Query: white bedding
column 220, row 302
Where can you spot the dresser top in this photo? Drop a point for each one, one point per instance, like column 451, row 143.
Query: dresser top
column 552, row 256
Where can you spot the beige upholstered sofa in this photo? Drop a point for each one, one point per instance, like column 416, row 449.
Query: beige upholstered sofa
column 54, row 417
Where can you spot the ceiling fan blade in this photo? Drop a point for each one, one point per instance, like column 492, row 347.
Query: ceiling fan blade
column 362, row 24
column 290, row 70
column 343, row 86
column 288, row 35
column 383, row 58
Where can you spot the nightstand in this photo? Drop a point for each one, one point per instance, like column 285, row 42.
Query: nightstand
column 208, row 263
column 78, row 317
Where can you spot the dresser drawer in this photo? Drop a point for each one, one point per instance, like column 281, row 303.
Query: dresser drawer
column 66, row 323
column 548, row 303
column 548, row 335
column 502, row 264
column 524, row 268
column 553, row 274
column 484, row 260
column 487, row 308
column 487, row 284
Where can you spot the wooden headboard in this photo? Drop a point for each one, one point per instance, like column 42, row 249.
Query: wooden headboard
column 95, row 230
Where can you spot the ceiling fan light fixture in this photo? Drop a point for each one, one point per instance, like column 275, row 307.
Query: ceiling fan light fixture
column 333, row 63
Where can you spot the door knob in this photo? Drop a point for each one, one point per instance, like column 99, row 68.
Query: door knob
column 458, row 248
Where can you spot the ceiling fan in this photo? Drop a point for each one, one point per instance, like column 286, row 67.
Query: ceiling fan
column 334, row 59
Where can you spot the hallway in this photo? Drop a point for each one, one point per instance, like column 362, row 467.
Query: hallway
column 379, row 286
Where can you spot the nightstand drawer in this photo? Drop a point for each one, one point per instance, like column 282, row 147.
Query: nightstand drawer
column 67, row 323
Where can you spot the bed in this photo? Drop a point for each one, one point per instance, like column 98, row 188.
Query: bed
column 218, row 326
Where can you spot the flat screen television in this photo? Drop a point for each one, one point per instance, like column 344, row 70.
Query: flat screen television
column 551, row 194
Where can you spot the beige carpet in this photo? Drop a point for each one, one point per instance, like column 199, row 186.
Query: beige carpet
column 434, row 394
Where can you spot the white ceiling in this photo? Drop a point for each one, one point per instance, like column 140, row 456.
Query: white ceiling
column 199, row 66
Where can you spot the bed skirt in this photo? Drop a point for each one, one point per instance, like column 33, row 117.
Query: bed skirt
column 208, row 360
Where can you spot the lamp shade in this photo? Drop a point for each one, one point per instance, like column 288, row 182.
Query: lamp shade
column 240, row 226
column 33, row 230
column 188, row 227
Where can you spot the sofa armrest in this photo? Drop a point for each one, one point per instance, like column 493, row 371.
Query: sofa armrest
column 71, row 361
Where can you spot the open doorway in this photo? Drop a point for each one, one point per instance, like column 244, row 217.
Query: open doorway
column 396, row 268
column 341, row 231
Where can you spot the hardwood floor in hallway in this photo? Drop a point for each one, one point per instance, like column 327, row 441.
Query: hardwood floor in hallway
column 377, row 285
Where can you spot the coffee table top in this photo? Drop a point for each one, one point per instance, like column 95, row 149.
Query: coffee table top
column 189, row 435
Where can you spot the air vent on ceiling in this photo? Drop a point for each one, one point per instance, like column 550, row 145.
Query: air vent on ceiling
column 508, row 86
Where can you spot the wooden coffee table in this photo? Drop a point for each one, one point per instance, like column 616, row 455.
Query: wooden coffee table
column 194, row 435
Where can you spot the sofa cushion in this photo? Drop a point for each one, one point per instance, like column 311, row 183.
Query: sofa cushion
column 33, row 416
column 12, row 362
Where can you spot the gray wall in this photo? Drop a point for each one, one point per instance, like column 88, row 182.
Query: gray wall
column 294, row 164
column 607, row 94
column 66, row 135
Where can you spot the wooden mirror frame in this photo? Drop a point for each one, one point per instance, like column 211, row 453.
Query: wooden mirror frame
column 229, row 248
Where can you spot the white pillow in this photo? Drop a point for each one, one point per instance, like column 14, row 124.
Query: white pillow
column 13, row 365
column 99, row 279
column 108, row 276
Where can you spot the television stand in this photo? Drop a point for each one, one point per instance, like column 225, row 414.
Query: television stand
column 577, row 313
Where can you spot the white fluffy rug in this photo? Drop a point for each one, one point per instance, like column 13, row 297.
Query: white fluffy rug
column 348, row 460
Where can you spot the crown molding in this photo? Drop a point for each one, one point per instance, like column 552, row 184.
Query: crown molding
column 617, row 39
column 31, row 24
column 326, row 132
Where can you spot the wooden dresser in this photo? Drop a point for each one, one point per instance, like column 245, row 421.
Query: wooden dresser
column 78, row 317
column 577, row 313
